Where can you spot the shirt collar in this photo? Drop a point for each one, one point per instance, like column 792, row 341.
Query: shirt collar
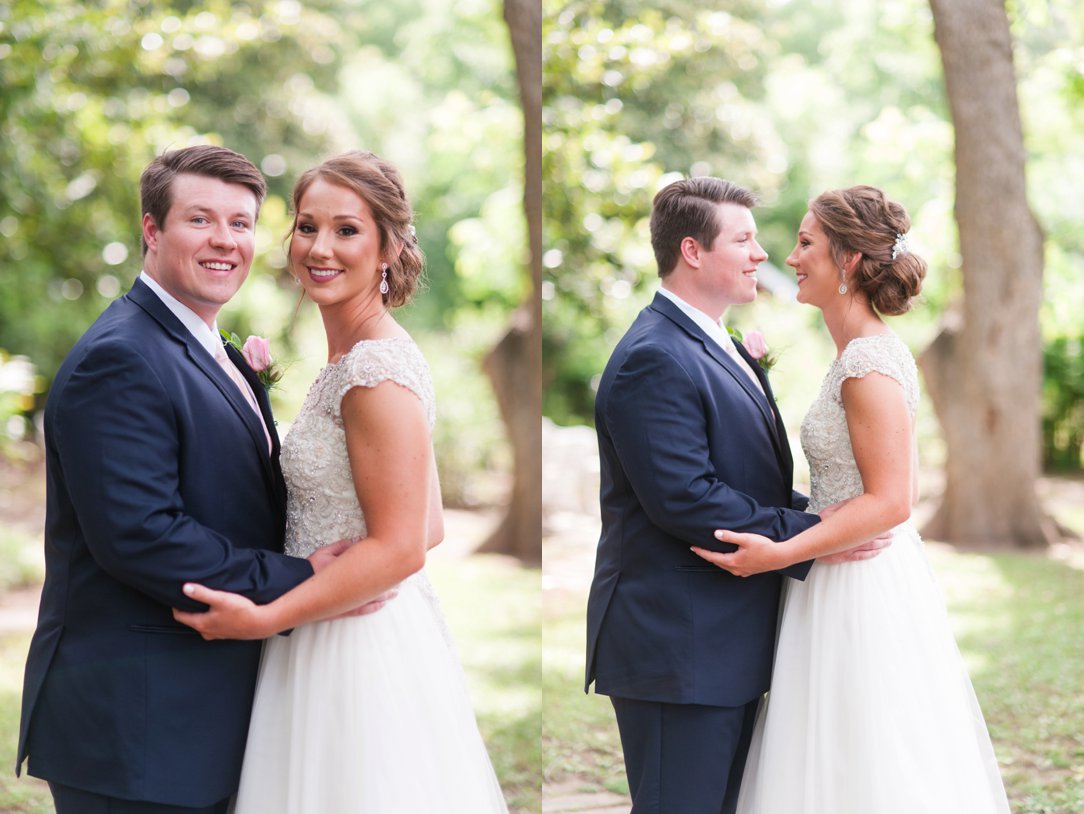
column 207, row 337
column 712, row 328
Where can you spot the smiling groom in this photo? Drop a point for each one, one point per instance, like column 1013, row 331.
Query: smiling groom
column 690, row 441
column 161, row 467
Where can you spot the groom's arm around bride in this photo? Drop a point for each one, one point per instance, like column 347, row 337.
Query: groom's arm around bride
column 159, row 469
column 689, row 433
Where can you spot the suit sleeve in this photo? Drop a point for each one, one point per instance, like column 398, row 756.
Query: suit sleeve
column 661, row 438
column 117, row 438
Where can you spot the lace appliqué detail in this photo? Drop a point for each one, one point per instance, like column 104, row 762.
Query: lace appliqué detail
column 833, row 473
column 322, row 505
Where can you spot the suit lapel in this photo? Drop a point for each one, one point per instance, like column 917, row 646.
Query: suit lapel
column 146, row 299
column 782, row 447
column 764, row 401
column 258, row 390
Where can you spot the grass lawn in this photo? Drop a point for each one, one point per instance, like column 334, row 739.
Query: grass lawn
column 1019, row 620
column 493, row 608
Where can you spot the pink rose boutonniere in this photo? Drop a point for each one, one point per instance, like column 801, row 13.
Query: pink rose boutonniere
column 757, row 347
column 257, row 352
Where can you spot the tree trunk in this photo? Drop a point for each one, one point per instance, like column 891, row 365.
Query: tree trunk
column 984, row 370
column 514, row 366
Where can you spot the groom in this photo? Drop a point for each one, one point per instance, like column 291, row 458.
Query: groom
column 690, row 441
column 162, row 467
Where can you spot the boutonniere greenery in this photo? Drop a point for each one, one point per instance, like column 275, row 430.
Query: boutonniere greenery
column 257, row 353
column 756, row 346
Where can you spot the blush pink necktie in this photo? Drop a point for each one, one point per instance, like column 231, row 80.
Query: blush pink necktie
column 242, row 385
column 732, row 352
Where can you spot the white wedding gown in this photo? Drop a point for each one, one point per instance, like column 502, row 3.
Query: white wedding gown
column 366, row 715
column 870, row 710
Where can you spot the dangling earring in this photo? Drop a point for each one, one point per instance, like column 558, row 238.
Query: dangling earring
column 842, row 282
column 384, row 287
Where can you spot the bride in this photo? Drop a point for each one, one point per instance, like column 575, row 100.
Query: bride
column 870, row 707
column 367, row 714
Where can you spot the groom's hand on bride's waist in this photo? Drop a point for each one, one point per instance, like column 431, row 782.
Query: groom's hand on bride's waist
column 372, row 606
column 322, row 557
column 864, row 551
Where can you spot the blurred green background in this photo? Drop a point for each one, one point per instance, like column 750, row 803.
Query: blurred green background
column 91, row 92
column 789, row 98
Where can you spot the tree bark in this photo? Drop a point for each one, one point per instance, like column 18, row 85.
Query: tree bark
column 514, row 366
column 984, row 370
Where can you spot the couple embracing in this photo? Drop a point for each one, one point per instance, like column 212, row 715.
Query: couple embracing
column 176, row 540
column 715, row 582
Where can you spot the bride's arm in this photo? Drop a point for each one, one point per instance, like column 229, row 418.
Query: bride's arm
column 391, row 460
column 880, row 429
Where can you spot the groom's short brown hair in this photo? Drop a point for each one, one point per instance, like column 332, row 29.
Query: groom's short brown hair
column 688, row 208
column 156, row 183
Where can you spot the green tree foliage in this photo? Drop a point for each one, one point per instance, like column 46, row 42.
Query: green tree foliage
column 775, row 98
column 628, row 95
column 91, row 92
column 789, row 98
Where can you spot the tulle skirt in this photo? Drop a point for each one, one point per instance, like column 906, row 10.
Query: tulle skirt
column 871, row 710
column 367, row 715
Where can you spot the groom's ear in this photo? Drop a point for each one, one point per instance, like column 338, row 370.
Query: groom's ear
column 150, row 231
column 690, row 251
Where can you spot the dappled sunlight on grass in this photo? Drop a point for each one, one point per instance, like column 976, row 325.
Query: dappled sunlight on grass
column 580, row 743
column 978, row 596
column 493, row 608
column 1018, row 619
column 25, row 794
column 1033, row 693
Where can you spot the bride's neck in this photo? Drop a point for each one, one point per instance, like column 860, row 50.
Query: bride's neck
column 346, row 327
column 850, row 318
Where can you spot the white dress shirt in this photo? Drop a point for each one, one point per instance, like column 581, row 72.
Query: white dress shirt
column 208, row 337
column 715, row 330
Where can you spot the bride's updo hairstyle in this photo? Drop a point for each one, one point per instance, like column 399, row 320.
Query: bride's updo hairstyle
column 861, row 219
column 380, row 185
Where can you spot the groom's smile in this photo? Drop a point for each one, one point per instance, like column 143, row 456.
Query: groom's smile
column 202, row 253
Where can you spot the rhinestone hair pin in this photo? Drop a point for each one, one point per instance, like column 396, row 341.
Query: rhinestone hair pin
column 901, row 246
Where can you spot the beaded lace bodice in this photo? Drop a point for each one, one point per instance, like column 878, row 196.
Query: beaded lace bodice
column 322, row 506
column 833, row 474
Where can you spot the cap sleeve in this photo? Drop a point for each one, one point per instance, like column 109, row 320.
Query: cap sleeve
column 395, row 360
column 886, row 355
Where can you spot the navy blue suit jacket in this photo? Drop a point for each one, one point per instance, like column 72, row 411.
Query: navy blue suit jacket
column 157, row 472
column 687, row 445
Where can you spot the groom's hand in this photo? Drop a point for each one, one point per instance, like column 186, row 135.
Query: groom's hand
column 321, row 558
column 372, row 606
column 866, row 551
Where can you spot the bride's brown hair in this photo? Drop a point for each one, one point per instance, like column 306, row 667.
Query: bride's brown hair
column 862, row 220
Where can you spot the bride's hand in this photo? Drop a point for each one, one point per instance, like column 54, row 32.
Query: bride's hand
column 755, row 555
column 231, row 616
